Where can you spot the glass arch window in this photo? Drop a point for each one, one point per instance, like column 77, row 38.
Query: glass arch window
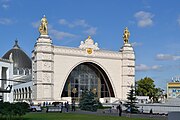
column 87, row 76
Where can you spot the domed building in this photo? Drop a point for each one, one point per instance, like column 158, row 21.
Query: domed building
column 22, row 64
column 20, row 74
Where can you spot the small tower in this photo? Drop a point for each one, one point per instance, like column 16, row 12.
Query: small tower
column 42, row 62
column 128, row 65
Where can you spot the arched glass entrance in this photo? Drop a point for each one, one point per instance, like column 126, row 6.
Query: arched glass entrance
column 87, row 76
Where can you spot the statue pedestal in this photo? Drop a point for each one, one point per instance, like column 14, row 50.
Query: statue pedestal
column 44, row 39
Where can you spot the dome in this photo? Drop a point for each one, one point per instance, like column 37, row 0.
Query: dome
column 19, row 57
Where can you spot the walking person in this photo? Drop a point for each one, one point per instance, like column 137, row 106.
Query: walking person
column 73, row 105
column 151, row 112
column 67, row 106
column 129, row 110
column 119, row 110
column 142, row 110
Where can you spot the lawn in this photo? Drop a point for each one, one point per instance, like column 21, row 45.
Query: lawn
column 70, row 116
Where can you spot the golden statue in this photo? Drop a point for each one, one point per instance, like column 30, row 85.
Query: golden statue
column 89, row 37
column 126, row 35
column 43, row 27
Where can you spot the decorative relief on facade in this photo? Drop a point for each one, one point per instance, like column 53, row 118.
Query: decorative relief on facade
column 38, row 76
column 80, row 52
column 39, row 56
column 46, row 66
column 131, row 71
column 46, row 48
column 128, row 56
column 39, row 65
column 128, row 63
column 46, row 77
column 44, row 56
column 89, row 43
column 47, row 57
column 125, row 70
column 128, row 71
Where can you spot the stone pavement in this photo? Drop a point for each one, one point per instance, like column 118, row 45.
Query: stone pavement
column 115, row 113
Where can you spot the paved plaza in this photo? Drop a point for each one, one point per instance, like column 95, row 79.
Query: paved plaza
column 114, row 112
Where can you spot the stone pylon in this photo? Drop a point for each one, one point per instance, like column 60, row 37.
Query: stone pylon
column 42, row 60
column 128, row 69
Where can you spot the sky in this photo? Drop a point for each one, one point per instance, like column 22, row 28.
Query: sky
column 154, row 29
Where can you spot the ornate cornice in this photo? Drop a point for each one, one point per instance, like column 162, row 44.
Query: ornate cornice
column 58, row 50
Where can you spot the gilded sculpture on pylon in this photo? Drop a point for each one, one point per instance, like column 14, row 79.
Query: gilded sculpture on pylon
column 126, row 35
column 43, row 27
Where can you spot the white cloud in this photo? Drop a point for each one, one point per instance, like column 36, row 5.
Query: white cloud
column 5, row 6
column 5, row 21
column 167, row 57
column 59, row 35
column 4, row 1
column 76, row 23
column 134, row 44
column 143, row 67
column 82, row 23
column 36, row 24
column 178, row 20
column 91, row 31
column 155, row 67
column 144, row 19
column 63, row 22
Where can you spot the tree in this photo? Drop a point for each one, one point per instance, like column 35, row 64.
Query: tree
column 158, row 94
column 146, row 87
column 131, row 103
column 88, row 101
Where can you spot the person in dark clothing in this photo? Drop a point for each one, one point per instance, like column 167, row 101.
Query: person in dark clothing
column 73, row 105
column 151, row 112
column 67, row 106
column 119, row 110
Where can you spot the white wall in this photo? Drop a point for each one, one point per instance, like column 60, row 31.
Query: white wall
column 8, row 97
column 64, row 64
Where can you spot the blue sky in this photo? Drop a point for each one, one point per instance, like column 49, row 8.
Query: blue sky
column 154, row 27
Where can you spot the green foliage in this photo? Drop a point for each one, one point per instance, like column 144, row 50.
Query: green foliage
column 11, row 110
column 131, row 103
column 146, row 87
column 89, row 102
column 21, row 108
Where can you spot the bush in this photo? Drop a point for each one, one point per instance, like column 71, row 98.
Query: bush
column 11, row 110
